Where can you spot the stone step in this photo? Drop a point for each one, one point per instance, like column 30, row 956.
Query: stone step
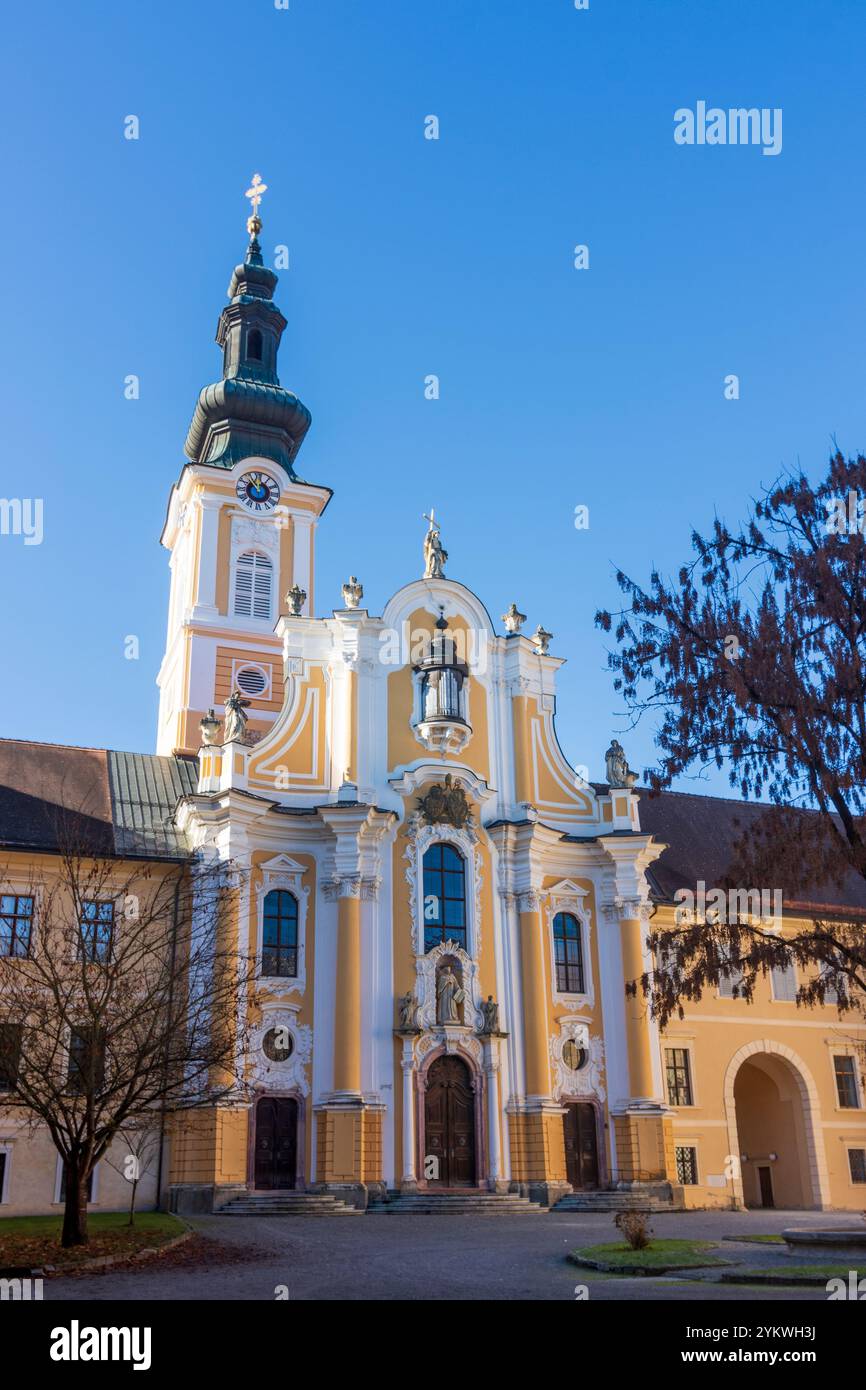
column 612, row 1201
column 470, row 1204
column 289, row 1204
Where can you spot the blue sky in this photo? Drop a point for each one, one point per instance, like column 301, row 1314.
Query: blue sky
column 559, row 387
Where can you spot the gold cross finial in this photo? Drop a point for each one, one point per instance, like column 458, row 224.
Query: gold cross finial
column 254, row 193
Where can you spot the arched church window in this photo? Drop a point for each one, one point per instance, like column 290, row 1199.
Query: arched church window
column 254, row 345
column 444, row 896
column 568, row 954
column 253, row 580
column 280, row 936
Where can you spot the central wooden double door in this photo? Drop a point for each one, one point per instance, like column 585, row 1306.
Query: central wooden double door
column 449, row 1124
column 581, row 1145
column 276, row 1154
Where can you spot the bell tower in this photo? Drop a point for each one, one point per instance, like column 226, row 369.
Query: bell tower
column 241, row 522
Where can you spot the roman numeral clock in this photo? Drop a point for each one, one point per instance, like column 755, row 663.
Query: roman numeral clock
column 258, row 492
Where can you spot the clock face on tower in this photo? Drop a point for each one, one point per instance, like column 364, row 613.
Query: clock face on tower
column 258, row 492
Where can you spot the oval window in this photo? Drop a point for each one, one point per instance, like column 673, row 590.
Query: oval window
column 278, row 1044
column 251, row 679
column 573, row 1056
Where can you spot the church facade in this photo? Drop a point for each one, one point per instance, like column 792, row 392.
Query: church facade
column 443, row 914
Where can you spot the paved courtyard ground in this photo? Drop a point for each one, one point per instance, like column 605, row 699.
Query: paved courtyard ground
column 447, row 1257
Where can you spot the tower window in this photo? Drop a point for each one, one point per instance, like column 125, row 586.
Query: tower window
column 253, row 581
column 252, row 680
column 254, row 345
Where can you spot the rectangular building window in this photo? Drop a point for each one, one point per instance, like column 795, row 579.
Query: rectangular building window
column 846, row 1082
column 97, row 931
column 687, row 1166
column 86, row 1061
column 857, row 1164
column 16, row 923
column 729, row 983
column 62, row 1197
column 10, row 1055
column 784, row 982
column 678, row 1076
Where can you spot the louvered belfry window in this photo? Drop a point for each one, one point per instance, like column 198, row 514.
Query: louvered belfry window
column 253, row 578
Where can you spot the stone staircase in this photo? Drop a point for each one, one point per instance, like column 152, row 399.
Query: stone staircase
column 658, row 1197
column 469, row 1203
column 288, row 1203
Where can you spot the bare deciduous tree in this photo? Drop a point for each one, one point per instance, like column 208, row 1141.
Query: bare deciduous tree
column 122, row 1005
column 754, row 659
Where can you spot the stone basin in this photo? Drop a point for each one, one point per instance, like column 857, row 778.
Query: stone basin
column 843, row 1241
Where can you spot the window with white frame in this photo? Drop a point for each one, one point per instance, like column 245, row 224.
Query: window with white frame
column 60, row 1182
column 568, row 954
column 678, row 1074
column 730, row 983
column 687, row 1165
column 254, row 573
column 857, row 1165
column 16, row 923
column 847, row 1081
column 784, row 979
column 10, row 1054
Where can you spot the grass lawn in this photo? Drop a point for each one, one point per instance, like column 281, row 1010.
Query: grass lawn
column 34, row 1241
column 660, row 1255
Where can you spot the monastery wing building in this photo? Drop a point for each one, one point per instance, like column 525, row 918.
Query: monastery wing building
column 443, row 915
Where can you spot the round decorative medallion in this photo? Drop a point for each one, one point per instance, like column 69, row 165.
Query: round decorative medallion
column 573, row 1056
column 278, row 1044
column 258, row 492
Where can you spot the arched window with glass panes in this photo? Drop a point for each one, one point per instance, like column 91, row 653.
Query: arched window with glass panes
column 253, row 583
column 568, row 954
column 444, row 896
column 280, row 934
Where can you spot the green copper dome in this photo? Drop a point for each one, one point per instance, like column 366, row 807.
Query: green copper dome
column 248, row 412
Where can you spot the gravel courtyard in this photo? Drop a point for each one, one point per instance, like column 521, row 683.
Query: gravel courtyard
column 432, row 1257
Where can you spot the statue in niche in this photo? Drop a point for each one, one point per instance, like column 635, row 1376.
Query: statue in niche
column 406, row 1007
column 619, row 774
column 490, row 1015
column 449, row 995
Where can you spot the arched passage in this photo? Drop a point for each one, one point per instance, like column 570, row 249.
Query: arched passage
column 777, row 1152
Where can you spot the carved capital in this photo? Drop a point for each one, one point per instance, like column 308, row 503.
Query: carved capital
column 529, row 902
column 348, row 886
column 627, row 910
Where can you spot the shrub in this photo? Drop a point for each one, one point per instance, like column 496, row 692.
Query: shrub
column 632, row 1225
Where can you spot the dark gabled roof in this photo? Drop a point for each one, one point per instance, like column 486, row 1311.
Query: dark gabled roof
column 145, row 790
column 96, row 800
column 701, row 832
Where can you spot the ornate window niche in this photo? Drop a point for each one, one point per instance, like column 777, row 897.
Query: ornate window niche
column 586, row 1078
column 568, row 898
column 426, row 970
column 276, row 1073
column 465, row 840
column 282, row 873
